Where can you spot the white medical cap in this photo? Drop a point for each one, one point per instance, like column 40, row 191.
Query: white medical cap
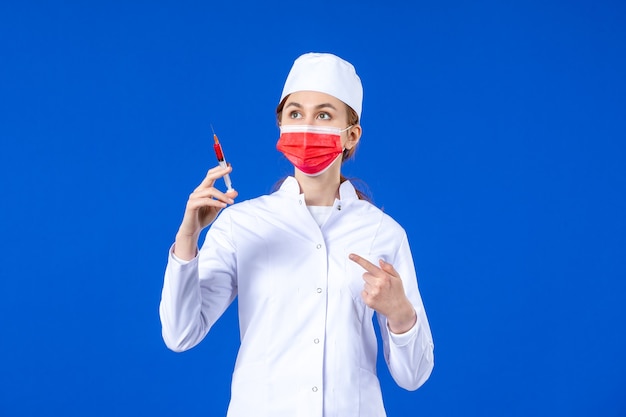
column 325, row 73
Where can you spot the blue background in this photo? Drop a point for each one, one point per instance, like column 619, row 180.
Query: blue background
column 493, row 132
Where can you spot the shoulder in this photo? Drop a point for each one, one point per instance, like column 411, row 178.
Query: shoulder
column 366, row 207
column 364, row 212
column 257, row 206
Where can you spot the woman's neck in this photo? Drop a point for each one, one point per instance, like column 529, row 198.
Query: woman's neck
column 321, row 190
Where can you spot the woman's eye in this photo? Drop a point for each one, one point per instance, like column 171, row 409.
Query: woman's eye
column 295, row 115
column 324, row 116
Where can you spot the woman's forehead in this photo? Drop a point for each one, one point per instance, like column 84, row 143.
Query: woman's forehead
column 314, row 99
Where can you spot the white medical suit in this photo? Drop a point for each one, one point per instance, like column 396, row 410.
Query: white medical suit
column 308, row 343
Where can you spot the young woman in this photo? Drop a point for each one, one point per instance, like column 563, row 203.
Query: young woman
column 310, row 263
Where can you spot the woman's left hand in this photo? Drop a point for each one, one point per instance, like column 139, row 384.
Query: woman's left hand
column 383, row 291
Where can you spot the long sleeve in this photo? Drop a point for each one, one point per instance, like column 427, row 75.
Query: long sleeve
column 409, row 356
column 196, row 293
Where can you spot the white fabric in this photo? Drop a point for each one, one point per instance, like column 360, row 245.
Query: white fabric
column 308, row 343
column 312, row 129
column 325, row 73
column 320, row 213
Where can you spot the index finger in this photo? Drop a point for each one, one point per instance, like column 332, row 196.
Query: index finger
column 214, row 174
column 367, row 265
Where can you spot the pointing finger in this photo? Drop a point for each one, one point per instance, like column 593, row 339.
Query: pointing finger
column 365, row 264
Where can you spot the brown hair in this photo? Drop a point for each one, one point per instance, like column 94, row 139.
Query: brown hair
column 353, row 119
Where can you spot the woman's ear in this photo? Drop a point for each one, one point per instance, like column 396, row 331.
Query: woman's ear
column 354, row 135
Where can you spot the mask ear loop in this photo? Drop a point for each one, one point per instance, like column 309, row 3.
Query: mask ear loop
column 345, row 154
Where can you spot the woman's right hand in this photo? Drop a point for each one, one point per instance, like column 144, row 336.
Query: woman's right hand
column 203, row 206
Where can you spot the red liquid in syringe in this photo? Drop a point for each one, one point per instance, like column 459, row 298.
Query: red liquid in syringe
column 219, row 153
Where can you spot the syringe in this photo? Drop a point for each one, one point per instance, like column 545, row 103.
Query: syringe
column 221, row 160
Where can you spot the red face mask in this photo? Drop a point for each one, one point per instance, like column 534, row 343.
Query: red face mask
column 311, row 149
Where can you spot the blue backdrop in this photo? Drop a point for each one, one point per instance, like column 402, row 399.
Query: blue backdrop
column 503, row 128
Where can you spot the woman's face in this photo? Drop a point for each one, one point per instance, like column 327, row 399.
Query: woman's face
column 319, row 109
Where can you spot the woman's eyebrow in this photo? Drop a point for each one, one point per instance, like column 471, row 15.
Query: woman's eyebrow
column 294, row 104
column 321, row 106
column 317, row 107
